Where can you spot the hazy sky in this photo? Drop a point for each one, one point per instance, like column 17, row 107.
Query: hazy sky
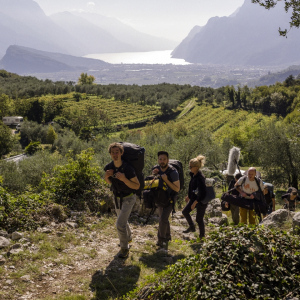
column 167, row 18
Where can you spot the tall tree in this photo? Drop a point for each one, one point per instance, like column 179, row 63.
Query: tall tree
column 6, row 139
column 277, row 151
column 86, row 79
column 51, row 135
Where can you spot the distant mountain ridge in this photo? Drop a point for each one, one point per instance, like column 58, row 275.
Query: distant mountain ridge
column 23, row 22
column 247, row 37
column 24, row 60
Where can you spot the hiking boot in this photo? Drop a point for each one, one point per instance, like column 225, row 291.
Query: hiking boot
column 129, row 242
column 123, row 253
column 165, row 245
column 190, row 229
column 162, row 245
column 159, row 243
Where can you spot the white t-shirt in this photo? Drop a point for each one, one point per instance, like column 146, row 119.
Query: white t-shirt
column 250, row 187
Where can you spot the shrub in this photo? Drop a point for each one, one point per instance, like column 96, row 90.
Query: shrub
column 239, row 263
column 22, row 212
column 33, row 147
column 77, row 184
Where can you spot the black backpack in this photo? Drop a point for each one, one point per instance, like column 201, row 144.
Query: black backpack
column 134, row 155
column 178, row 166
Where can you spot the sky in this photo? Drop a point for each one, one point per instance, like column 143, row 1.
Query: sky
column 171, row 19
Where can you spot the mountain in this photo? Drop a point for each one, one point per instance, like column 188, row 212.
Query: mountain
column 23, row 22
column 127, row 34
column 273, row 77
column 93, row 39
column 24, row 60
column 247, row 37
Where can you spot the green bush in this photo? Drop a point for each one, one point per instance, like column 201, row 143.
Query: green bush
column 78, row 184
column 22, row 212
column 29, row 171
column 239, row 263
column 33, row 147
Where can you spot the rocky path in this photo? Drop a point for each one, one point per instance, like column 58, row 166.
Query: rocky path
column 62, row 261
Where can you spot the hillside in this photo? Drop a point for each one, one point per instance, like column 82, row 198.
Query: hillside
column 24, row 60
column 249, row 38
column 23, row 22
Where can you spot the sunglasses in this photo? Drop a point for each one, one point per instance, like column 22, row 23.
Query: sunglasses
column 294, row 193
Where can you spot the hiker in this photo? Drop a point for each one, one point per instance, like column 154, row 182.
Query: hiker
column 270, row 199
column 171, row 177
column 196, row 193
column 235, row 210
column 124, row 183
column 247, row 186
column 290, row 198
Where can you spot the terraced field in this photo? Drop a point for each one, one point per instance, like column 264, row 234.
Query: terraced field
column 119, row 112
column 192, row 116
column 218, row 120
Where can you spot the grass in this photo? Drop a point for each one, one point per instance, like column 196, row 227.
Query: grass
column 82, row 271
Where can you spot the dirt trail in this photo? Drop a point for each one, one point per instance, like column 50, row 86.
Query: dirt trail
column 88, row 265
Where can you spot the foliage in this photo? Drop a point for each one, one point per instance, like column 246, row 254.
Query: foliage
column 86, row 79
column 51, row 135
column 235, row 263
column 21, row 212
column 6, row 139
column 293, row 4
column 33, row 147
column 17, row 87
column 6, row 106
column 33, row 132
column 277, row 150
column 77, row 184
column 28, row 172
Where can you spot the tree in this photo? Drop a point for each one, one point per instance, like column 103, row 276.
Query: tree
column 6, row 106
column 86, row 79
column 51, row 135
column 6, row 140
column 277, row 151
column 293, row 4
column 230, row 91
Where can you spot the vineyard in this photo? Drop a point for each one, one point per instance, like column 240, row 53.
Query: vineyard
column 218, row 120
column 119, row 112
column 191, row 116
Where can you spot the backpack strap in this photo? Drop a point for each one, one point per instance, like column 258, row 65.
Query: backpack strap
column 258, row 183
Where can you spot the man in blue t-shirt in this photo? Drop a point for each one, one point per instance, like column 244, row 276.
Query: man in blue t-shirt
column 171, row 177
column 124, row 183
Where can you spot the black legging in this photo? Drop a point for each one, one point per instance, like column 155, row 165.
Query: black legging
column 199, row 216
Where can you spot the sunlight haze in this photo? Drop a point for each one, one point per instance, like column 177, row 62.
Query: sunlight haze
column 172, row 19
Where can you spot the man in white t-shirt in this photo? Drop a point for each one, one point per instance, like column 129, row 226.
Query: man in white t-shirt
column 246, row 187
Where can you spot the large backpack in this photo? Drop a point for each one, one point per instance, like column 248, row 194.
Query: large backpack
column 134, row 155
column 210, row 192
column 178, row 166
column 156, row 192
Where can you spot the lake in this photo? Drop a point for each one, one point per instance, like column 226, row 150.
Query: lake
column 150, row 57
